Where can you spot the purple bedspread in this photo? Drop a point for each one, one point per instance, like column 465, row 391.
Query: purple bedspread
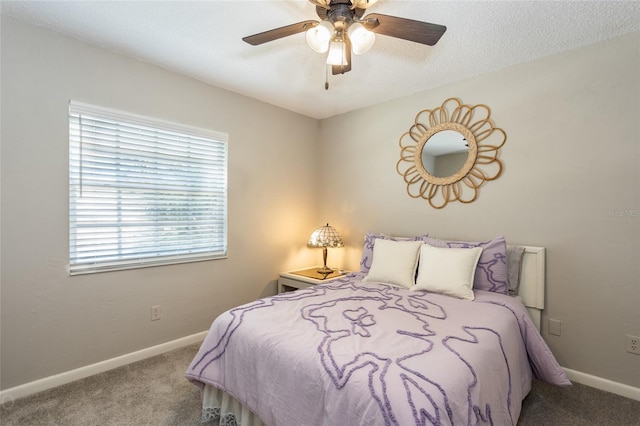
column 354, row 353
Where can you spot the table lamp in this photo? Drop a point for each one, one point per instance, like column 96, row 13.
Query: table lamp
column 325, row 236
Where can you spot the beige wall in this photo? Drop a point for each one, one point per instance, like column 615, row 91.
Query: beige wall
column 571, row 158
column 52, row 323
column 572, row 155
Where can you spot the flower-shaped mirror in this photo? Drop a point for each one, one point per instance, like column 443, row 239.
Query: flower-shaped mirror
column 450, row 152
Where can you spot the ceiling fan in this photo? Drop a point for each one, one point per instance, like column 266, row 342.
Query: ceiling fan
column 343, row 29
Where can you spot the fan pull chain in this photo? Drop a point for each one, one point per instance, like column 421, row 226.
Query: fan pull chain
column 326, row 77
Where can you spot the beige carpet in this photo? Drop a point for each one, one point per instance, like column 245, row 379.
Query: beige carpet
column 155, row 392
column 149, row 392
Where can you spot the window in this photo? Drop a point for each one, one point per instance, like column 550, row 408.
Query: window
column 143, row 192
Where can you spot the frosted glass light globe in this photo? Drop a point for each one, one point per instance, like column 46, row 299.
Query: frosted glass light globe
column 318, row 37
column 361, row 38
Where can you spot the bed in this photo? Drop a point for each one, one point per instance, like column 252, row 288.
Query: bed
column 360, row 350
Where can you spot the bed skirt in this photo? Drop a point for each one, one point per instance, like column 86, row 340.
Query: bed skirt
column 220, row 408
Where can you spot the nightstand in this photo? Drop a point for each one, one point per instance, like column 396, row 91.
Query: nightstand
column 304, row 278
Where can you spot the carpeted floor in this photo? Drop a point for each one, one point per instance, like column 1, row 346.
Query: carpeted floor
column 149, row 392
column 155, row 392
column 577, row 405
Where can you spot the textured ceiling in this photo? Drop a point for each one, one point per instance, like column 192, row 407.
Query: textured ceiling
column 203, row 40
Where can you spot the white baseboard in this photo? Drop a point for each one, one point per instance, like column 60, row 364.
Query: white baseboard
column 603, row 384
column 99, row 367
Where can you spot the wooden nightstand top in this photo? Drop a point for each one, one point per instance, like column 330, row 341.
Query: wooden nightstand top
column 312, row 275
column 305, row 278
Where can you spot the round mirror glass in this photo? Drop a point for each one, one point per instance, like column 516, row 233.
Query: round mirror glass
column 445, row 153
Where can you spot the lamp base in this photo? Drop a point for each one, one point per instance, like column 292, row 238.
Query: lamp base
column 325, row 270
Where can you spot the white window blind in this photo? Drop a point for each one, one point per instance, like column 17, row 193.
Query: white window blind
column 143, row 192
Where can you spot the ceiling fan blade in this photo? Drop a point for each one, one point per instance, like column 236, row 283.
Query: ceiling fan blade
column 281, row 32
column 406, row 29
column 341, row 69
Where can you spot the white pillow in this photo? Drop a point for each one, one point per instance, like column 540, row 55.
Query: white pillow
column 448, row 271
column 394, row 262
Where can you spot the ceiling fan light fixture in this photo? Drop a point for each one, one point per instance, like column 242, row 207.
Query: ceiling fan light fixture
column 361, row 38
column 343, row 30
column 319, row 36
column 337, row 53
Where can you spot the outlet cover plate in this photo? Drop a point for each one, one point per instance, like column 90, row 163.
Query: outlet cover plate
column 155, row 312
column 633, row 344
column 555, row 327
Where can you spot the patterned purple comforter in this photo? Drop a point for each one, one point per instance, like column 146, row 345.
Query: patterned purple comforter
column 353, row 353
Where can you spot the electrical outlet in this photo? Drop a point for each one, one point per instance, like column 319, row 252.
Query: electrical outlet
column 633, row 344
column 155, row 312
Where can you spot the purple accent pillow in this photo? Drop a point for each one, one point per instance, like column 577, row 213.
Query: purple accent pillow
column 491, row 272
column 367, row 249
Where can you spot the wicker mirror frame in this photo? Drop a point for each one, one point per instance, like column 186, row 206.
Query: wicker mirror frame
column 484, row 141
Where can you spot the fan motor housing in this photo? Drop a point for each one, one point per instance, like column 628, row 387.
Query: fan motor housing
column 339, row 11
